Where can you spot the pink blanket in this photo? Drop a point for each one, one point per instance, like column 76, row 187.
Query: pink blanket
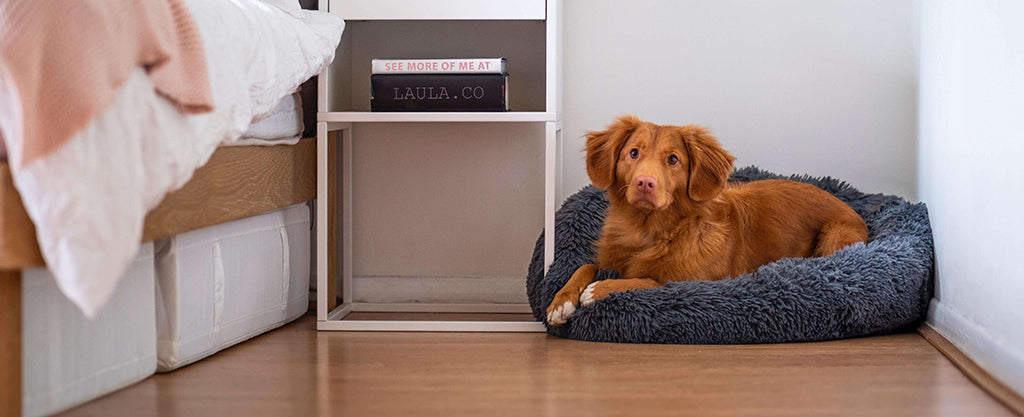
column 65, row 58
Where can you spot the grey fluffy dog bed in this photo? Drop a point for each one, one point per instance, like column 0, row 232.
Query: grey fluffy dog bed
column 881, row 287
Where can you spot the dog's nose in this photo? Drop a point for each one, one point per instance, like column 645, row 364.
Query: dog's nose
column 646, row 183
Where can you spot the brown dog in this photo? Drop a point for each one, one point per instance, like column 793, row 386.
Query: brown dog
column 672, row 215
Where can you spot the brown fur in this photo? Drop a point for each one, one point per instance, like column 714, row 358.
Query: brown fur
column 691, row 224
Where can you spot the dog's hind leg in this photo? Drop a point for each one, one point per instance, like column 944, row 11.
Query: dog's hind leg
column 839, row 234
column 565, row 302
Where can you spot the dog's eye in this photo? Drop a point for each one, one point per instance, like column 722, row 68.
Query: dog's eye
column 672, row 159
column 634, row 153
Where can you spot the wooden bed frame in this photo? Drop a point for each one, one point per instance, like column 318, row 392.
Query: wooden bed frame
column 237, row 182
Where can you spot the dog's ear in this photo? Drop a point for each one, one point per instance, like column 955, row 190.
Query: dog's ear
column 710, row 165
column 603, row 150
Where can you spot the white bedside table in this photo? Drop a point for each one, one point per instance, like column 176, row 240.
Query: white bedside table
column 535, row 92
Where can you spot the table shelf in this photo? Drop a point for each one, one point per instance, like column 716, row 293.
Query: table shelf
column 396, row 117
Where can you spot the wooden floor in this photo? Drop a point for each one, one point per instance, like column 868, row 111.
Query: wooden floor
column 296, row 371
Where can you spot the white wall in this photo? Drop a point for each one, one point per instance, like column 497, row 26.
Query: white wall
column 462, row 204
column 793, row 86
column 970, row 173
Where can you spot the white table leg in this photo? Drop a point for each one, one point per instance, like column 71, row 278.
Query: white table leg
column 550, row 165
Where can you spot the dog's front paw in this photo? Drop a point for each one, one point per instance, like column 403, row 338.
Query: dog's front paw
column 557, row 316
column 587, row 298
column 562, row 307
column 594, row 292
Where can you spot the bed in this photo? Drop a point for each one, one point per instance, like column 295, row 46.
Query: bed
column 209, row 183
column 287, row 175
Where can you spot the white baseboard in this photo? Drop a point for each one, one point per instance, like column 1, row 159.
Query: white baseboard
column 1000, row 359
column 409, row 289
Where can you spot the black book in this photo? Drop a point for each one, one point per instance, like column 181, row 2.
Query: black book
column 439, row 92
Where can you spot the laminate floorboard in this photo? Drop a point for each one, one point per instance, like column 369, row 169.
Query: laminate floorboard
column 296, row 371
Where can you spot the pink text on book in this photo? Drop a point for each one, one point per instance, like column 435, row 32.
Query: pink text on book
column 438, row 66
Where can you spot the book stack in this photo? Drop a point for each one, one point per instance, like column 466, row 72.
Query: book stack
column 442, row 85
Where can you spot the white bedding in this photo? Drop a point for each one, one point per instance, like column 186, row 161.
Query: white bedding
column 88, row 199
column 282, row 127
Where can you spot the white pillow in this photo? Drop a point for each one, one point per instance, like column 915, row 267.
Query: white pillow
column 261, row 51
column 284, row 4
